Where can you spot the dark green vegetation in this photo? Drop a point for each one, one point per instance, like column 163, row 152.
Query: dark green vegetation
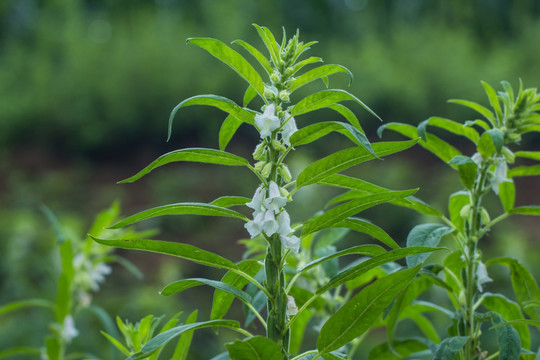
column 86, row 85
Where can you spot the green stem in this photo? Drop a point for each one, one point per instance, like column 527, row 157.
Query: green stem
column 252, row 280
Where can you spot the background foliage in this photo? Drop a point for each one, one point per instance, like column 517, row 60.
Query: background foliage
column 86, row 84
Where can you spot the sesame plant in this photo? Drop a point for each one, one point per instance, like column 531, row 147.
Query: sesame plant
column 485, row 172
column 82, row 267
column 291, row 272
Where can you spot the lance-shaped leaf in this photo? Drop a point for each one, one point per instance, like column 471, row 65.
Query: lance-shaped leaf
column 366, row 227
column 438, row 147
column 230, row 201
column 15, row 352
column 425, row 235
column 357, row 316
column 269, row 41
column 508, row 339
column 184, row 251
column 341, row 212
column 448, row 125
column 534, row 155
column 315, row 131
column 362, row 187
column 318, row 73
column 324, row 99
column 184, row 284
column 449, row 347
column 184, row 343
column 308, row 61
column 493, row 101
column 403, row 347
column 524, row 171
column 201, row 155
column 353, row 272
column 233, row 59
column 490, row 142
column 257, row 55
column 526, row 210
column 166, row 336
column 179, row 209
column 228, row 128
column 219, row 102
column 485, row 112
column 509, row 310
column 347, row 114
column 254, row 348
column 23, row 304
column 368, row 250
column 346, row 158
column 222, row 299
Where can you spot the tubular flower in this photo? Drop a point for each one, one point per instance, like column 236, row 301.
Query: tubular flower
column 274, row 201
column 284, row 224
column 291, row 243
column 499, row 176
column 289, row 128
column 267, row 121
column 258, row 200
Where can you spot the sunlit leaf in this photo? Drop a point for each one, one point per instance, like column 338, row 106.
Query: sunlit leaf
column 228, row 128
column 317, row 73
column 448, row 125
column 478, row 108
column 257, row 55
column 494, row 101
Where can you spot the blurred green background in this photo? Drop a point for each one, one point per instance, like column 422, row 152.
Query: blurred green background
column 86, row 88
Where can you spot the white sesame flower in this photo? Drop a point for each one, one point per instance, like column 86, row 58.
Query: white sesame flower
column 289, row 128
column 267, row 121
column 270, row 224
column 274, row 201
column 291, row 243
column 69, row 332
column 478, row 159
column 284, row 224
column 254, row 227
column 291, row 306
column 499, row 176
column 258, row 200
column 97, row 275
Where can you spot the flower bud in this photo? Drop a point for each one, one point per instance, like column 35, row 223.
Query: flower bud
column 267, row 169
column 259, row 165
column 278, row 146
column 484, row 215
column 508, row 155
column 461, row 298
column 275, row 77
column 514, row 137
column 283, row 170
column 270, row 93
column 465, row 211
column 289, row 71
column 259, row 151
column 284, row 96
column 284, row 193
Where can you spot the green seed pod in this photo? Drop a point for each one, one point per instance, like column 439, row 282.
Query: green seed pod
column 461, row 298
column 283, row 170
column 465, row 211
column 508, row 155
column 267, row 169
column 484, row 215
column 259, row 165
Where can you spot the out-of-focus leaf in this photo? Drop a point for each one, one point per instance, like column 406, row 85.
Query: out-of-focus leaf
column 449, row 347
column 508, row 339
column 184, row 343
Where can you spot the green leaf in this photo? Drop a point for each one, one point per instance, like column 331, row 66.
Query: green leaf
column 533, row 155
column 184, row 343
column 184, row 284
column 254, row 348
column 509, row 310
column 219, row 102
column 523, row 283
column 164, row 337
column 233, row 59
column 448, row 125
column 368, row 250
column 200, row 155
column 403, row 347
column 357, row 315
column 425, row 235
column 455, row 203
column 478, row 108
column 9, row 353
column 467, row 169
column 344, row 159
column 313, row 132
column 490, row 143
column 223, row 300
column 179, row 209
column 507, row 195
column 347, row 114
column 317, row 73
column 449, row 347
column 526, row 210
column 298, row 329
column 230, row 201
column 353, row 272
column 493, row 101
column 524, row 171
column 364, row 226
column 257, row 55
column 508, row 339
column 184, row 251
column 270, row 42
column 324, row 99
column 308, row 61
column 341, row 212
column 23, row 304
column 438, row 147
column 228, row 128
column 117, row 344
